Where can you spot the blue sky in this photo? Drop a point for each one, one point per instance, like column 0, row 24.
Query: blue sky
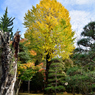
column 81, row 12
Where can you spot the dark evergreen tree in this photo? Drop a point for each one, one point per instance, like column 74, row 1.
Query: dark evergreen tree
column 79, row 79
column 6, row 23
column 84, row 58
column 85, row 53
column 88, row 34
column 56, row 78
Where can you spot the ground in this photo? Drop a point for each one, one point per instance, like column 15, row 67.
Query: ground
column 42, row 94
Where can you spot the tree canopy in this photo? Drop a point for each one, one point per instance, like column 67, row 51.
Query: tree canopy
column 49, row 29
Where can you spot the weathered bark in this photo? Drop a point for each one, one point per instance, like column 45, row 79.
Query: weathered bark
column 9, row 65
column 0, row 65
column 0, row 56
column 17, row 87
column 15, row 43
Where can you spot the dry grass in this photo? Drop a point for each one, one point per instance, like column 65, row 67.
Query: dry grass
column 42, row 94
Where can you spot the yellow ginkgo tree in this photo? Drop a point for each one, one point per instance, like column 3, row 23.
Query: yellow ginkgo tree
column 49, row 31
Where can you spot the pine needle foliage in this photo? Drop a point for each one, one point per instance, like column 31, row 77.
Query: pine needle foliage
column 56, row 78
column 6, row 23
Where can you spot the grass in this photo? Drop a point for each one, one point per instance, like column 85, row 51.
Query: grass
column 42, row 94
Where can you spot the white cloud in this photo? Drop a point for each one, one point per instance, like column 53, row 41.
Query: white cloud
column 80, row 2
column 78, row 20
column 83, row 1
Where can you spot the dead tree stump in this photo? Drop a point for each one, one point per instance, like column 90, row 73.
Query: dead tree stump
column 9, row 63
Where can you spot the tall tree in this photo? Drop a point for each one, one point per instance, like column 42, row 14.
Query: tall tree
column 49, row 31
column 88, row 34
column 87, row 53
column 6, row 23
column 84, row 57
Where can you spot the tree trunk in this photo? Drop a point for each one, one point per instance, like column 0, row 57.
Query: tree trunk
column 28, row 86
column 10, row 91
column 17, row 87
column 73, row 91
column 0, row 65
column 46, row 73
column 9, row 66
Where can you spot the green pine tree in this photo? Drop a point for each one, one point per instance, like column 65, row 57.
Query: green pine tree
column 6, row 23
column 56, row 78
column 88, row 40
column 84, row 58
column 85, row 53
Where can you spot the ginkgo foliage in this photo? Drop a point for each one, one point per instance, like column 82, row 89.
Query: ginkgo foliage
column 49, row 29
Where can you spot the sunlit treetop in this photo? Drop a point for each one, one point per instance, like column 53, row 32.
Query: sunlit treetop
column 49, row 29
